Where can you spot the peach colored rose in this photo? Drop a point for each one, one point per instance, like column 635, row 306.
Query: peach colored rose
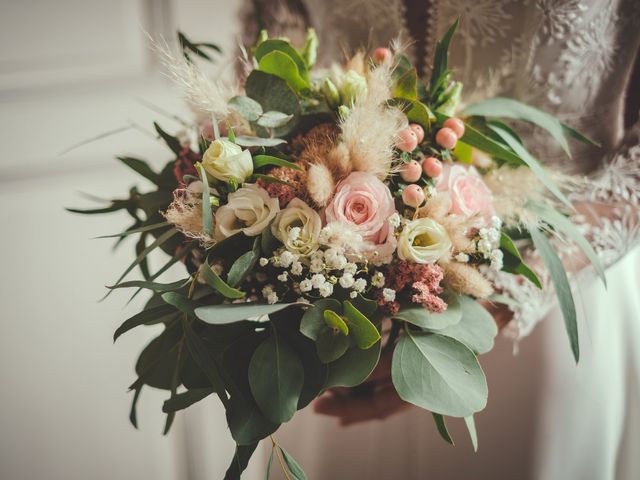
column 469, row 194
column 364, row 204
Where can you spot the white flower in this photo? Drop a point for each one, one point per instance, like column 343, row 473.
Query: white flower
column 353, row 294
column 484, row 246
column 317, row 280
column 462, row 257
column 335, row 259
column 306, row 285
column 336, row 234
column 272, row 298
column 224, row 160
column 378, row 280
column 496, row 222
column 286, row 258
column 283, row 277
column 359, row 285
column 264, row 262
column 347, row 280
column 303, row 300
column 248, row 210
column 298, row 227
column 317, row 265
column 351, row 268
column 394, row 220
column 326, row 289
column 496, row 258
column 423, row 241
column 388, row 294
column 296, row 268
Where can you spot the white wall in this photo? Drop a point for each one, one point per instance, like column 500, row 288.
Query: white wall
column 70, row 70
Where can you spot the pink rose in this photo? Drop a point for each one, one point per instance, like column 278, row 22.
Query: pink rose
column 364, row 204
column 469, row 194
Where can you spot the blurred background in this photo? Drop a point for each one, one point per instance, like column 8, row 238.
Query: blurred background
column 71, row 70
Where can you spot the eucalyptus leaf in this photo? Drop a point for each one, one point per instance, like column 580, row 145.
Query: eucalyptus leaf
column 179, row 301
column 335, row 322
column 292, row 465
column 207, row 214
column 331, row 345
column 424, row 318
column 243, row 265
column 363, row 331
column 215, row 282
column 284, row 47
column 246, row 141
column 438, row 374
column 313, row 322
column 353, row 367
column 441, row 425
column 156, row 287
column 276, row 377
column 247, row 107
column 145, row 317
column 473, row 434
column 282, row 65
column 477, row 329
column 562, row 287
column 184, row 400
column 240, row 460
column 273, row 119
column 235, row 312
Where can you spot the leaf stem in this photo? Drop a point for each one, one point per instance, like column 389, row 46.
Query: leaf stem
column 280, row 458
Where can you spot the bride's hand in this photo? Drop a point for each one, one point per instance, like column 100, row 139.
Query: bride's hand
column 377, row 399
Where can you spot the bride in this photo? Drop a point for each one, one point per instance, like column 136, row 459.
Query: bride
column 547, row 417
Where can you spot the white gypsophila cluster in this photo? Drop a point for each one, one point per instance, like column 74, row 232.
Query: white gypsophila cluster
column 394, row 221
column 489, row 243
column 377, row 280
column 269, row 293
column 388, row 294
column 337, row 235
column 462, row 257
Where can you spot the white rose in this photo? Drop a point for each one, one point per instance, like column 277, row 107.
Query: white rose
column 248, row 210
column 423, row 241
column 225, row 160
column 306, row 220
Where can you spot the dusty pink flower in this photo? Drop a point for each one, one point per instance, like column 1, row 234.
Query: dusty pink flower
column 364, row 204
column 469, row 194
column 185, row 164
column 426, row 297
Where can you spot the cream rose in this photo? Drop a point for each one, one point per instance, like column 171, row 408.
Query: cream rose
column 423, row 241
column 248, row 210
column 225, row 160
column 306, row 225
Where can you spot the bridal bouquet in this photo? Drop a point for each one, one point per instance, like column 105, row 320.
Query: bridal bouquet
column 323, row 216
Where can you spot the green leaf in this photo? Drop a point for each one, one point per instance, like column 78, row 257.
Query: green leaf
column 335, row 322
column 313, row 319
column 156, row 287
column 366, row 306
column 438, row 374
column 179, row 301
column 562, row 224
column 141, row 167
column 207, row 214
column 282, row 65
column 235, row 312
column 532, row 163
column 441, row 59
column 513, row 262
column 407, row 85
column 463, row 152
column 276, row 377
column 353, row 367
column 183, row 400
column 477, row 328
column 145, row 317
column 283, row 47
column 264, row 160
column 310, row 49
column 274, row 119
column 471, row 427
column 509, row 108
column 363, row 331
column 247, row 107
column 562, row 287
column 240, row 461
column 331, row 345
column 477, row 139
column 146, row 228
column 579, row 136
column 273, row 93
column 442, row 428
column 267, row 475
column 215, row 282
column 424, row 318
column 245, row 141
column 292, row 465
column 243, row 265
column 420, row 113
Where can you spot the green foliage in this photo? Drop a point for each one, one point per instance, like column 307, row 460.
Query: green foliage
column 331, row 344
column 361, row 329
column 273, row 94
column 473, row 434
column 219, row 285
column 313, row 322
column 407, row 85
column 294, row 469
column 353, row 367
column 424, row 318
column 244, row 264
column 190, row 48
column 236, row 312
column 247, row 107
column 240, row 460
column 513, row 262
column 561, row 285
column 184, row 400
column 442, row 428
column 207, row 214
column 248, row 142
column 273, row 119
column 276, row 377
column 335, row 322
column 476, row 329
column 264, row 160
column 438, row 374
column 149, row 316
column 440, row 71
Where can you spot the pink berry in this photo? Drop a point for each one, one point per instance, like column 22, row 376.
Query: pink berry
column 381, row 54
column 419, row 131
column 446, row 138
column 413, row 195
column 411, row 172
column 407, row 140
column 432, row 167
column 456, row 125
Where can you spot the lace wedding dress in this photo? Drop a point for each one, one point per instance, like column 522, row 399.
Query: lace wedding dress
column 546, row 418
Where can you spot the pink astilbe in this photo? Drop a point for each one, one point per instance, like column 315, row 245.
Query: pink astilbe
column 422, row 280
column 285, row 192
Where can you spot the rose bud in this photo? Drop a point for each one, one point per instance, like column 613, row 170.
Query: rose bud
column 381, row 54
column 411, row 172
column 456, row 125
column 413, row 196
column 432, row 167
column 407, row 140
column 446, row 138
column 418, row 130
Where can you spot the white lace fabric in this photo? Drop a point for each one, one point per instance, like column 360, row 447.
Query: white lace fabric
column 571, row 58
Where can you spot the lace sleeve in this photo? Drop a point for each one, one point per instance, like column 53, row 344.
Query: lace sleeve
column 609, row 205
